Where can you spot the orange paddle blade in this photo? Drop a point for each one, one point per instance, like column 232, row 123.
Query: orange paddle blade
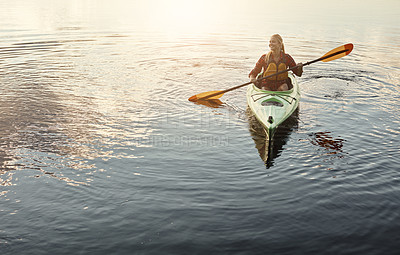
column 338, row 52
column 197, row 97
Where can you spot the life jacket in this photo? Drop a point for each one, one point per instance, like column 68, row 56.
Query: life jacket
column 273, row 67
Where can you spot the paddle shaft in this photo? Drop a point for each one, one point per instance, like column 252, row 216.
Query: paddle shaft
column 247, row 83
column 266, row 77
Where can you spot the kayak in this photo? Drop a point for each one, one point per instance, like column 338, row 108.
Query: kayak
column 272, row 108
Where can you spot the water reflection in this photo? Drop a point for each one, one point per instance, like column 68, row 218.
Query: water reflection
column 43, row 129
column 59, row 119
column 326, row 141
column 41, row 133
column 270, row 151
column 214, row 103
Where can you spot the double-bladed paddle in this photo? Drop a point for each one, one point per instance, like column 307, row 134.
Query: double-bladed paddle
column 336, row 53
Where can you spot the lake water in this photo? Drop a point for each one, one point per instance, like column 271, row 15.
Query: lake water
column 102, row 153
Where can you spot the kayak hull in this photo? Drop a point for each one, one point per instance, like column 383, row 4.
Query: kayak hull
column 272, row 108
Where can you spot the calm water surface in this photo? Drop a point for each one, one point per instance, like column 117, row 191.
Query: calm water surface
column 101, row 153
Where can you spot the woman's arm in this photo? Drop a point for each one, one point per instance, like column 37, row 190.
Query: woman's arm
column 257, row 69
column 291, row 63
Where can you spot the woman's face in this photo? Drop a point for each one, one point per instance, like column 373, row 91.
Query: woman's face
column 274, row 44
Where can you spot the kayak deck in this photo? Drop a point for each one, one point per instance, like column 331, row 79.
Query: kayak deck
column 271, row 108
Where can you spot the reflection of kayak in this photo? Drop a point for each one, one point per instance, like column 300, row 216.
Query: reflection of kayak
column 270, row 150
column 271, row 108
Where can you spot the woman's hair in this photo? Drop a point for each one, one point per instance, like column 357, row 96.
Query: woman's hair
column 280, row 40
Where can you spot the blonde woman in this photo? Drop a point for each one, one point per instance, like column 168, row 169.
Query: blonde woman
column 274, row 61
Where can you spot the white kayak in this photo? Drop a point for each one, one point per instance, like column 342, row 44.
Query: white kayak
column 271, row 108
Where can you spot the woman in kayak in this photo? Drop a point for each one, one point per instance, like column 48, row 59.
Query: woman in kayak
column 274, row 61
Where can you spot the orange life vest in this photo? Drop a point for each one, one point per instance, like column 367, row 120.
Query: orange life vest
column 273, row 67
